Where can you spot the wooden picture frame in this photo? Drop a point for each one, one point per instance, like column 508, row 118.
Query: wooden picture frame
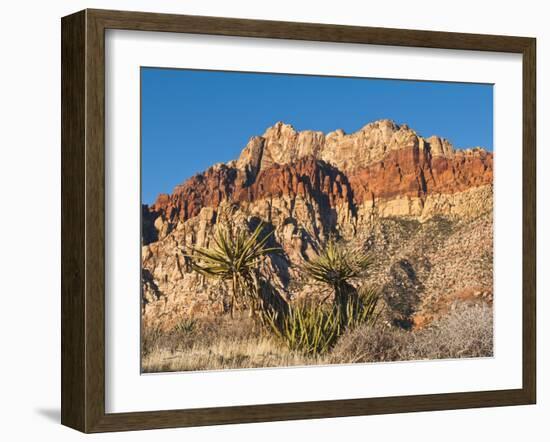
column 83, row 220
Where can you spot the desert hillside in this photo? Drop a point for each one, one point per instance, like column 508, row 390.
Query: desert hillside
column 420, row 207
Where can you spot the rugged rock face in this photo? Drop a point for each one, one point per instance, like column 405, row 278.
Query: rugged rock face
column 308, row 185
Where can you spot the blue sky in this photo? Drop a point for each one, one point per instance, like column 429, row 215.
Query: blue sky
column 191, row 119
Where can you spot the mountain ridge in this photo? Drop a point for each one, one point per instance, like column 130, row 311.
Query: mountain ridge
column 307, row 186
column 385, row 161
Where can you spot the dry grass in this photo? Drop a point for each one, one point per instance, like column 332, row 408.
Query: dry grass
column 231, row 344
column 216, row 344
column 226, row 354
column 198, row 333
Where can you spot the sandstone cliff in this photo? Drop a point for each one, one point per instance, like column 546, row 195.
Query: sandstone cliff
column 308, row 185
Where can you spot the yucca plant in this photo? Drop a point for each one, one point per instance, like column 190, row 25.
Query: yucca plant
column 185, row 326
column 314, row 329
column 234, row 257
column 337, row 266
column 309, row 329
column 361, row 309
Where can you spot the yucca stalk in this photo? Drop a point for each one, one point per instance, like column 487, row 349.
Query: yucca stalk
column 337, row 266
column 234, row 257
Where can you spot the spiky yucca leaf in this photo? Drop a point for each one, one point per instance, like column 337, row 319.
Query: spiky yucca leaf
column 234, row 256
column 307, row 329
column 234, row 252
column 362, row 308
column 313, row 329
column 336, row 265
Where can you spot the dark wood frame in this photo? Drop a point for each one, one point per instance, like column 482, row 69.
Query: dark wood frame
column 83, row 217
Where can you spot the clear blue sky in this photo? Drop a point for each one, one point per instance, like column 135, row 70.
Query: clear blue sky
column 193, row 119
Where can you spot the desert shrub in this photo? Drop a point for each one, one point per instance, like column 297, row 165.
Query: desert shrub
column 442, row 225
column 466, row 332
column 214, row 329
column 408, row 226
column 186, row 325
column 314, row 329
column 150, row 337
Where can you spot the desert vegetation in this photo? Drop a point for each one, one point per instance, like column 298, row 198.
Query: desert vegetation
column 321, row 248
column 225, row 343
column 313, row 327
column 262, row 329
column 234, row 258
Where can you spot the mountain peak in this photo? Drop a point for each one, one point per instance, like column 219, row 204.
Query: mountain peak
column 279, row 128
column 283, row 144
column 385, row 124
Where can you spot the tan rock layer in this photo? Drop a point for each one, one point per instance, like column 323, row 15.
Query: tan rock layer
column 288, row 163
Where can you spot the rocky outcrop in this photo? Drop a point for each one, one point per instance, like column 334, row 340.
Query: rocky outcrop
column 281, row 144
column 382, row 165
column 306, row 186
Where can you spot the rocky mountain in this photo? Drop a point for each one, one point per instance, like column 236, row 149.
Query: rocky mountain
column 408, row 199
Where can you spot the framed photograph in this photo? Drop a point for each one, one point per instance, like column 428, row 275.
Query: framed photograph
column 267, row 220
